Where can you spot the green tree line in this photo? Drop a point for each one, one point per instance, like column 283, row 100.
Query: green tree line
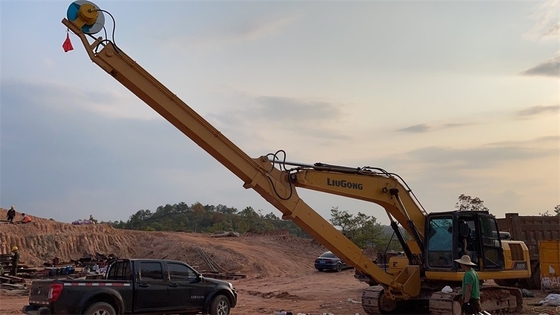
column 200, row 218
column 361, row 229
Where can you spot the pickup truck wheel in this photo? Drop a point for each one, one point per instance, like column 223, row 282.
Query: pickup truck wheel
column 220, row 306
column 100, row 308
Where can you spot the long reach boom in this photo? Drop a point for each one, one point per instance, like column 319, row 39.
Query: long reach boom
column 259, row 173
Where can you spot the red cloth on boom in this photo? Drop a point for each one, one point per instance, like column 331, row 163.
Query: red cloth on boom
column 67, row 45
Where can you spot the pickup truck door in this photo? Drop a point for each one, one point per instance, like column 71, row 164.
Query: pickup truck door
column 185, row 292
column 151, row 288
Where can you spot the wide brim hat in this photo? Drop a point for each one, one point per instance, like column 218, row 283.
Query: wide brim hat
column 465, row 260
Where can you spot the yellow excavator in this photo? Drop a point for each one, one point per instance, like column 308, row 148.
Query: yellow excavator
column 414, row 285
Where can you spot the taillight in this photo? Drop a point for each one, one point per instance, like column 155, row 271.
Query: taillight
column 54, row 292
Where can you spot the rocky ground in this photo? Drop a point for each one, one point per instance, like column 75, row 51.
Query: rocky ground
column 279, row 268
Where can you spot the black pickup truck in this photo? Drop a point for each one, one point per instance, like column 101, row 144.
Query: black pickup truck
column 134, row 286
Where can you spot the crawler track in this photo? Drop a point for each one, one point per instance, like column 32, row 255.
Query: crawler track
column 501, row 299
column 374, row 302
column 494, row 300
column 370, row 299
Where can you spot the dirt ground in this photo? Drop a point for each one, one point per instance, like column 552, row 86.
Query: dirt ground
column 308, row 293
column 298, row 293
column 278, row 267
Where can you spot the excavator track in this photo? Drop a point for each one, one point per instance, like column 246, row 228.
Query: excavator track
column 445, row 303
column 501, row 299
column 370, row 299
column 493, row 299
column 375, row 302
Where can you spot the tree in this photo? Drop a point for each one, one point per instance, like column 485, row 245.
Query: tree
column 341, row 219
column 225, row 209
column 254, row 222
column 198, row 209
column 271, row 216
column 548, row 214
column 468, row 203
column 368, row 232
column 138, row 219
column 362, row 230
column 249, row 213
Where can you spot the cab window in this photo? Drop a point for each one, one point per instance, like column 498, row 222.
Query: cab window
column 180, row 272
column 120, row 271
column 151, row 271
column 492, row 250
column 440, row 242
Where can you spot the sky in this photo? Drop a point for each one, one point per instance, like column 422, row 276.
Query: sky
column 457, row 97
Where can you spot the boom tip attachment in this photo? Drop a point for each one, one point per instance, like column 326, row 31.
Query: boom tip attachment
column 86, row 15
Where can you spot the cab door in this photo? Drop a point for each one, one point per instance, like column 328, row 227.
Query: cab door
column 151, row 288
column 184, row 287
column 492, row 251
column 439, row 242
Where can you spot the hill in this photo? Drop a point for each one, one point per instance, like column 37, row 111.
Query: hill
column 42, row 240
column 279, row 267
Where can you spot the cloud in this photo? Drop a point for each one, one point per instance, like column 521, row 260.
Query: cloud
column 554, row 139
column 295, row 110
column 111, row 105
column 550, row 68
column 258, row 28
column 546, row 26
column 545, row 22
column 416, row 128
column 454, row 125
column 421, row 128
column 305, row 118
column 537, row 110
column 541, row 140
column 485, row 156
column 56, row 153
column 239, row 31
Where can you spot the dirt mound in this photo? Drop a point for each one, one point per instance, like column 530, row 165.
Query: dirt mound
column 271, row 255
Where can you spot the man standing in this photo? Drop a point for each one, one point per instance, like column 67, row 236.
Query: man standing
column 15, row 260
column 464, row 237
column 11, row 214
column 470, row 287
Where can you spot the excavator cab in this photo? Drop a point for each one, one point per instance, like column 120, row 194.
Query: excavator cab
column 449, row 235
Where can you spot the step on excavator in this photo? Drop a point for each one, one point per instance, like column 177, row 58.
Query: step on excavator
column 433, row 240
